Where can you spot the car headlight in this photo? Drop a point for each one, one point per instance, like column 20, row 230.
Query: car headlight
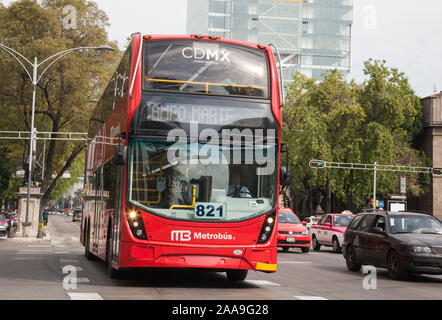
column 414, row 249
column 304, row 233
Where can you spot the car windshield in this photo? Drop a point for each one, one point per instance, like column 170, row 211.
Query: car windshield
column 288, row 217
column 211, row 186
column 415, row 224
column 342, row 221
column 2, row 218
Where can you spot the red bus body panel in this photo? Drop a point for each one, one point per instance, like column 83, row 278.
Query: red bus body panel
column 238, row 251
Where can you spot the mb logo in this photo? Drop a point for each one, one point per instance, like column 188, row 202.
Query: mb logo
column 180, row 235
column 370, row 280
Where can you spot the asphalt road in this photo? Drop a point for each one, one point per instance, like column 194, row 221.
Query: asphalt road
column 33, row 269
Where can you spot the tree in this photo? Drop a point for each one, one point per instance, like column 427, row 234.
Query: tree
column 341, row 121
column 64, row 92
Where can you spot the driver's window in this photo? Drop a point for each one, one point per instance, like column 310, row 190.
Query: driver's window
column 379, row 223
column 329, row 220
column 322, row 221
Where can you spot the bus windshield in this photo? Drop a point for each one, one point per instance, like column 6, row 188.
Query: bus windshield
column 205, row 67
column 208, row 187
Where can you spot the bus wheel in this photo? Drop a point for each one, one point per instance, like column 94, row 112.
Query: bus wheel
column 285, row 249
column 237, row 275
column 89, row 255
column 111, row 271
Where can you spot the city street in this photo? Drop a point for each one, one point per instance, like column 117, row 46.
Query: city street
column 33, row 269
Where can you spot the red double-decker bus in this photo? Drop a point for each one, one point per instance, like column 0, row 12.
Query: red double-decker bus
column 183, row 167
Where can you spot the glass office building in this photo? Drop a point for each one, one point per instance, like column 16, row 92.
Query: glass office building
column 312, row 36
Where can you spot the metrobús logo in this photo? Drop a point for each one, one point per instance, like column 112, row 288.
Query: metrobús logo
column 186, row 235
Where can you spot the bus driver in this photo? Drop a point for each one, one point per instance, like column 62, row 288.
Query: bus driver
column 236, row 189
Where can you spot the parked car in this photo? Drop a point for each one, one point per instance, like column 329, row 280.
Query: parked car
column 311, row 221
column 76, row 215
column 402, row 242
column 4, row 226
column 329, row 231
column 292, row 233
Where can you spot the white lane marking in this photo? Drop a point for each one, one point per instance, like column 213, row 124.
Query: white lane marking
column 262, row 282
column 41, row 258
column 61, row 252
column 82, row 280
column 38, row 246
column 68, row 261
column 84, row 296
column 309, row 298
column 34, row 252
column 75, row 238
column 77, row 268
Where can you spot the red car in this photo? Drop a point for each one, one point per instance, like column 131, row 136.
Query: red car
column 292, row 233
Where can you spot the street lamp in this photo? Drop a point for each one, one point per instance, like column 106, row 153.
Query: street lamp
column 35, row 78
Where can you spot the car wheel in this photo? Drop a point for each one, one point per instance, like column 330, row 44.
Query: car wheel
column 316, row 245
column 237, row 275
column 395, row 270
column 350, row 259
column 285, row 249
column 336, row 246
column 305, row 250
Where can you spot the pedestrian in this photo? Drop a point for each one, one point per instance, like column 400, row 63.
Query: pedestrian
column 45, row 216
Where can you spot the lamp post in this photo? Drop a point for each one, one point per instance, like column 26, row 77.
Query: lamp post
column 35, row 78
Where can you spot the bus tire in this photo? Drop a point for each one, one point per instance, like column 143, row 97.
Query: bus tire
column 89, row 255
column 237, row 275
column 111, row 271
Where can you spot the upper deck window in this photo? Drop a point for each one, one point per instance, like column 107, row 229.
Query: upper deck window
column 205, row 67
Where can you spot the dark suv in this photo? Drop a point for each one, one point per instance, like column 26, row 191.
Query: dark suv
column 402, row 242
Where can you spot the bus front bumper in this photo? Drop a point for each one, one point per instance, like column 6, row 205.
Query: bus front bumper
column 219, row 258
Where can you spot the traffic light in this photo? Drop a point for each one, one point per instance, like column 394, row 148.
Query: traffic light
column 317, row 164
column 437, row 171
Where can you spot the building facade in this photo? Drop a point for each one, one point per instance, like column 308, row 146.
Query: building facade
column 430, row 142
column 312, row 36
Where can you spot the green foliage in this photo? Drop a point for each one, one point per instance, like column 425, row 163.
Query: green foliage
column 35, row 29
column 340, row 121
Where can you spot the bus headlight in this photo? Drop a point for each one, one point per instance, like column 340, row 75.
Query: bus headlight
column 267, row 228
column 136, row 225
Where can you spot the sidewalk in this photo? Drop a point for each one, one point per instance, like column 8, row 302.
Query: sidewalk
column 46, row 237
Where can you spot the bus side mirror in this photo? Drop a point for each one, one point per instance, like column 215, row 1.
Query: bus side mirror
column 120, row 155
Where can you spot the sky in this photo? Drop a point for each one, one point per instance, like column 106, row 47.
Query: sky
column 406, row 33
